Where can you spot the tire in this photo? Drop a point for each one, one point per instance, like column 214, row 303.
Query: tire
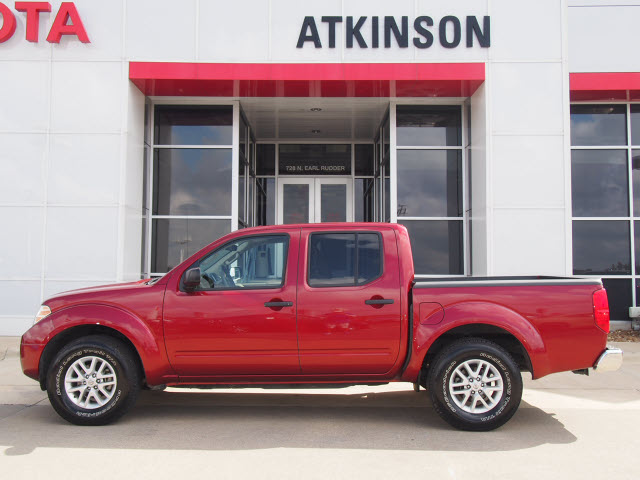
column 494, row 400
column 108, row 392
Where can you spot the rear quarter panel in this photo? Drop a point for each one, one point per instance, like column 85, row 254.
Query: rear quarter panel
column 554, row 323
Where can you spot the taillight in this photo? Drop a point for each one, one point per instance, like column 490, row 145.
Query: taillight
column 601, row 309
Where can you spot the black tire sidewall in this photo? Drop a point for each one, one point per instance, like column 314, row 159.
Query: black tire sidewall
column 444, row 370
column 74, row 413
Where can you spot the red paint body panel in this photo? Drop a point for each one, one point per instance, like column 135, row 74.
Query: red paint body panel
column 337, row 332
column 328, row 334
column 307, row 79
column 231, row 332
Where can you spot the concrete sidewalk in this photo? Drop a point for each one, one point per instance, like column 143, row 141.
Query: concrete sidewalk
column 568, row 426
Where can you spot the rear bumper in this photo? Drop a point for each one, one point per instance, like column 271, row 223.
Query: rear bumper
column 609, row 360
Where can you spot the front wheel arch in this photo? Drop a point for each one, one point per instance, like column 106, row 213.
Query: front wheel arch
column 69, row 335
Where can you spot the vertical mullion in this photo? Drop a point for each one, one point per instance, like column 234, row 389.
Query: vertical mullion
column 235, row 170
column 150, row 186
column 393, row 162
column 465, row 239
column 631, row 212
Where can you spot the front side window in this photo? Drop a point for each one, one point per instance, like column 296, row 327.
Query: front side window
column 250, row 262
column 344, row 259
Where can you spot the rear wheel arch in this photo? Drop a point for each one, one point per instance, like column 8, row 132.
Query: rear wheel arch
column 71, row 334
column 492, row 333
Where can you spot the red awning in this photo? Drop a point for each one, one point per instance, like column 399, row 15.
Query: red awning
column 618, row 86
column 307, row 79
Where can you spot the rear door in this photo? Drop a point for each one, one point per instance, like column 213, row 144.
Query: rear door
column 348, row 301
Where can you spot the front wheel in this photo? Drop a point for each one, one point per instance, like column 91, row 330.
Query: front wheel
column 93, row 381
column 475, row 385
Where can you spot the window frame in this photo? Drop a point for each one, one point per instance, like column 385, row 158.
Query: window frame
column 348, row 232
column 629, row 147
column 197, row 263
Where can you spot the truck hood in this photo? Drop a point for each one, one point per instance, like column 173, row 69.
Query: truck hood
column 112, row 293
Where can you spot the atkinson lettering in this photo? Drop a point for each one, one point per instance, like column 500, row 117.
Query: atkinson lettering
column 364, row 32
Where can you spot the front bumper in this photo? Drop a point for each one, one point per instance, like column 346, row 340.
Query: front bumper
column 609, row 360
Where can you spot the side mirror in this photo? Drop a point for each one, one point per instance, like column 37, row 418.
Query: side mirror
column 191, row 278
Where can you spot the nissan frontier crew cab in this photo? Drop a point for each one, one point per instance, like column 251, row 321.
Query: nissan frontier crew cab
column 316, row 305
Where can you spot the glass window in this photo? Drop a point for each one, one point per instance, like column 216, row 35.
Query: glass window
column 601, row 247
column 252, row 262
column 176, row 239
column 436, row 246
column 430, row 183
column 429, row 125
column 314, row 159
column 265, row 201
column 598, row 125
column 364, row 160
column 620, row 297
column 266, row 159
column 635, row 124
column 333, row 201
column 192, row 181
column 363, row 188
column 599, row 183
column 344, row 259
column 193, row 125
column 635, row 165
column 369, row 257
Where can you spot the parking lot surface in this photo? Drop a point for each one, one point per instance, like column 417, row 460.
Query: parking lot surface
column 568, row 427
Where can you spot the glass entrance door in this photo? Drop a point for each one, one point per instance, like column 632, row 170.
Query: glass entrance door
column 314, row 200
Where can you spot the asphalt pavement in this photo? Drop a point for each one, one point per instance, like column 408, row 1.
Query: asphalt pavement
column 568, row 426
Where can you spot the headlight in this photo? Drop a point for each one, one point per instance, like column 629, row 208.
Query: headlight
column 43, row 312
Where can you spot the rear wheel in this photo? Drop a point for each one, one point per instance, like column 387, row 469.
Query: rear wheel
column 474, row 384
column 93, row 380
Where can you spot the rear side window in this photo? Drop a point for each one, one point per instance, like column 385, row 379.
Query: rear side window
column 344, row 259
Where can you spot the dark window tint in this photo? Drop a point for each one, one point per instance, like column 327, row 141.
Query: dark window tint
column 429, row 125
column 619, row 295
column 429, row 183
column 364, row 160
column 363, row 198
column 314, row 159
column 598, row 125
column 635, row 163
column 252, row 262
column 192, row 181
column 175, row 240
column 436, row 246
column 635, row 124
column 599, row 183
column 265, row 159
column 601, row 247
column 193, row 125
column 334, row 259
column 265, row 201
column 369, row 258
column 636, row 236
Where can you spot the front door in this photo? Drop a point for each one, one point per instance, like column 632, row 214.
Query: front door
column 314, row 200
column 241, row 320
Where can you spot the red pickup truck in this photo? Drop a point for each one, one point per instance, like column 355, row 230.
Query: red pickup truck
column 316, row 305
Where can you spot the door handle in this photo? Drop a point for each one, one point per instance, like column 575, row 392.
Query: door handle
column 379, row 301
column 278, row 304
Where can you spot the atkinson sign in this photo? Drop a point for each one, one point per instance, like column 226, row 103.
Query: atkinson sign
column 66, row 22
column 365, row 32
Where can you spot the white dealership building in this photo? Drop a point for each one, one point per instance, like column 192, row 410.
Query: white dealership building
column 504, row 134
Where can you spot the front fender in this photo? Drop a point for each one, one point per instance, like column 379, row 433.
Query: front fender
column 148, row 343
column 477, row 313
